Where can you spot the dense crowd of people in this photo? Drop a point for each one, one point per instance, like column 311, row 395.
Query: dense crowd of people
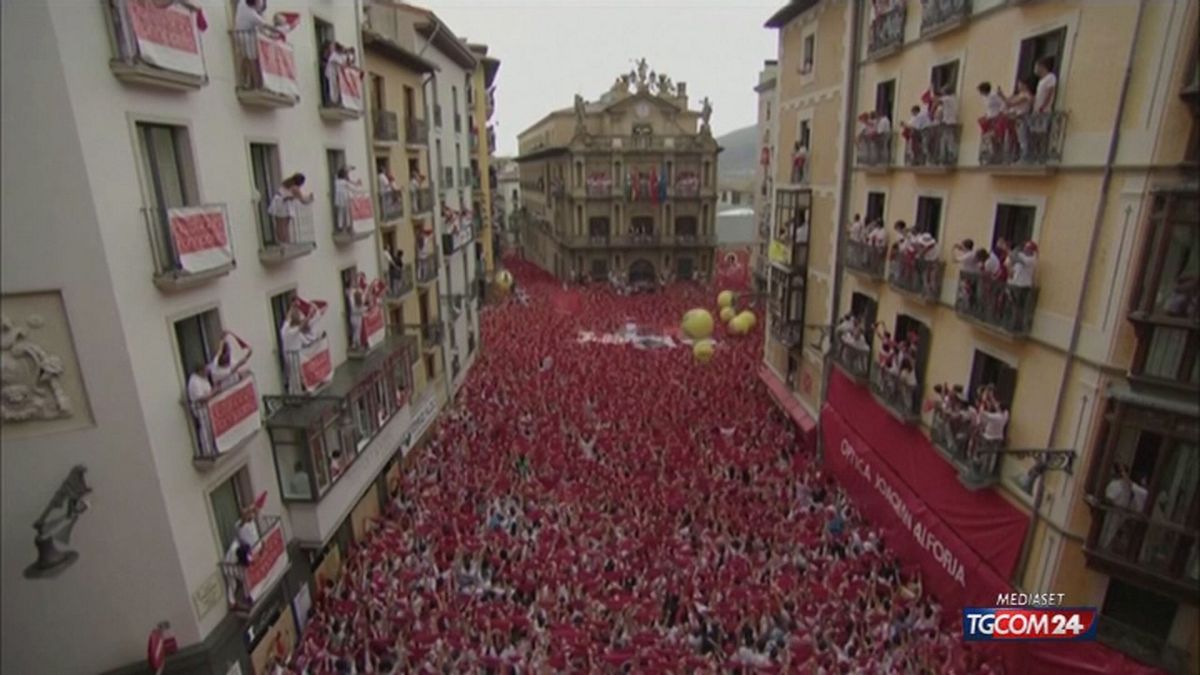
column 603, row 506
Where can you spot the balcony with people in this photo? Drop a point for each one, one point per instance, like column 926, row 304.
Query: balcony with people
column 996, row 288
column 599, row 231
column 255, row 562
column 599, row 185
column 939, row 16
column 353, row 212
column 971, row 431
column 316, row 437
column 932, row 132
column 1023, row 131
column 401, row 277
column 427, row 260
column 642, row 230
column 898, row 369
column 156, row 45
column 866, row 248
column 873, row 142
column 265, row 61
column 221, row 399
column 916, row 267
column 189, row 244
column 420, row 196
column 342, row 86
column 285, row 223
column 887, row 27
column 851, row 346
column 687, row 185
column 391, row 197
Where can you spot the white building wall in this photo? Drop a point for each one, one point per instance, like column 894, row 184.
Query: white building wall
column 72, row 221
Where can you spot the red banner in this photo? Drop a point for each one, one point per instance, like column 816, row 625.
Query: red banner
column 234, row 414
column 373, row 326
column 316, row 365
column 278, row 63
column 266, row 563
column 199, row 237
column 362, row 213
column 166, row 37
column 350, row 86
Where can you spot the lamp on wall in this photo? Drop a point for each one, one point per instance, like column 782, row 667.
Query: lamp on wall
column 69, row 502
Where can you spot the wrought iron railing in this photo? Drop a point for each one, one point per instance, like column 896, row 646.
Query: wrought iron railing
column 422, row 199
column 247, row 579
column 936, row 14
column 293, row 229
column 934, row 146
column 873, row 150
column 427, row 269
column 887, row 30
column 401, row 281
column 786, row 332
column 1035, row 139
column 865, row 258
column 386, row 125
column 996, row 303
column 960, row 436
column 391, row 204
column 901, row 397
column 206, row 446
column 917, row 275
column 416, row 131
column 854, row 361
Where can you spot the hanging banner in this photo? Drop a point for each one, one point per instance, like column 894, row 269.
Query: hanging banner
column 350, row 86
column 234, row 414
column 316, row 365
column 362, row 213
column 166, row 36
column 199, row 237
column 267, row 563
column 277, row 60
column 373, row 327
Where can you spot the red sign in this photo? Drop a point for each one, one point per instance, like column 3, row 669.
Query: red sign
column 264, row 560
column 233, row 414
column 277, row 57
column 350, row 86
column 198, row 230
column 170, row 28
column 360, row 207
column 372, row 326
column 316, row 365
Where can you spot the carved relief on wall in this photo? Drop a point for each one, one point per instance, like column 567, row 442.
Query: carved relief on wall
column 40, row 386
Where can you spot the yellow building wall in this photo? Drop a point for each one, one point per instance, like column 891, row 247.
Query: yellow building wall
column 483, row 156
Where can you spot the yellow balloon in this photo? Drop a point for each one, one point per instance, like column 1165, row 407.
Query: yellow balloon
column 740, row 325
column 727, row 313
column 697, row 324
column 504, row 280
column 703, row 350
column 725, row 299
column 750, row 319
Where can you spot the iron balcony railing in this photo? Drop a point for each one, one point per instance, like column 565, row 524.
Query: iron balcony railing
column 391, row 204
column 960, row 436
column 386, row 125
column 416, row 131
column 427, row 269
column 935, row 146
column 938, row 14
column 401, row 281
column 873, row 150
column 917, row 276
column 1141, row 645
column 282, row 235
column 996, row 303
column 599, row 189
column 422, row 199
column 257, row 568
column 189, row 240
column 1035, row 139
column 130, row 62
column 865, row 258
column 214, row 419
column 902, row 398
column 854, row 361
column 786, row 332
column 887, row 30
column 431, row 334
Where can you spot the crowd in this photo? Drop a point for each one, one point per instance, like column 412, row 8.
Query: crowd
column 1018, row 127
column 972, row 431
column 591, row 507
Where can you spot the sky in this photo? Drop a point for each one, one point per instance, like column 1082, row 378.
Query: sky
column 549, row 50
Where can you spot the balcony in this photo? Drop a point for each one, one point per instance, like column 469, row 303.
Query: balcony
column 865, row 259
column 157, row 47
column 190, row 244
column 225, row 421
column 460, row 234
column 266, row 70
column 599, row 187
column 1026, row 143
column 427, row 269
column 422, row 200
column 1141, row 645
column 316, row 438
column 934, row 148
column 401, row 282
column 257, row 569
column 960, row 439
column 342, row 100
column 354, row 220
column 787, row 333
column 901, row 398
column 994, row 304
column 1153, row 552
column 873, row 152
column 282, row 238
column 887, row 32
column 431, row 334
column 416, row 132
column 391, row 205
column 385, row 126
column 940, row 16
column 437, row 115
column 687, row 186
column 854, row 361
column 917, row 277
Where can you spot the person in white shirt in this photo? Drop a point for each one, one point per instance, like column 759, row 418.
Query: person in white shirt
column 993, row 123
column 356, row 298
column 1123, row 493
column 927, row 253
column 856, row 228
column 332, row 68
column 248, row 22
column 294, row 335
column 284, row 208
column 1047, row 86
column 223, row 370
column 199, row 390
column 946, row 118
column 917, row 142
column 344, row 189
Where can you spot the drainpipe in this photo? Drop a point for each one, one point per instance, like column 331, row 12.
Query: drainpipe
column 1076, row 325
column 434, row 186
column 850, row 96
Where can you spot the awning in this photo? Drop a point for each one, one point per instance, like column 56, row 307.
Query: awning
column 787, row 401
column 1185, row 405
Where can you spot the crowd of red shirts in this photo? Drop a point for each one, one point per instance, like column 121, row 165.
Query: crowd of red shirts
column 600, row 508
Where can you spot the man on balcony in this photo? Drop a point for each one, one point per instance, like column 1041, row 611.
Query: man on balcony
column 914, row 134
column 1022, row 263
column 247, row 22
column 199, row 390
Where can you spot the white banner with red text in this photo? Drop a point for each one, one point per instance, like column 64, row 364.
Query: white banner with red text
column 200, row 237
column 278, row 63
column 234, row 414
column 166, row 36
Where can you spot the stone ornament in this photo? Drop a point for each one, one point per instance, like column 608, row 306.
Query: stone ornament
column 30, row 385
column 55, row 525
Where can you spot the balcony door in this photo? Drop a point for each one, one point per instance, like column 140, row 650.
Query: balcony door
column 279, row 310
column 1014, row 224
column 885, row 99
column 875, row 204
column 228, row 500
column 264, row 172
column 929, row 215
column 1050, row 45
column 198, row 337
column 989, row 370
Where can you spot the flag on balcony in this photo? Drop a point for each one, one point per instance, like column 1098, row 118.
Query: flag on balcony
column 260, row 502
column 653, row 184
column 286, row 22
column 312, row 310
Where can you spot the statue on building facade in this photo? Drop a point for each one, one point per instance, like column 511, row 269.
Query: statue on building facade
column 29, row 375
column 69, row 503
column 665, row 86
column 580, row 111
column 705, row 114
column 642, row 67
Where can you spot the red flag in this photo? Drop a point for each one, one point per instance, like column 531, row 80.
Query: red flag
column 261, row 500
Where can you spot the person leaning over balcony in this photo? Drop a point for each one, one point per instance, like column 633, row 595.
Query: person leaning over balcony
column 223, row 370
column 247, row 22
column 285, row 206
column 912, row 132
column 199, row 390
column 926, row 251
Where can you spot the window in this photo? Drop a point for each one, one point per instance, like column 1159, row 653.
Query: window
column 875, row 204
column 987, row 369
column 809, row 48
column 944, row 77
column 642, row 225
column 440, row 163
column 599, row 268
column 1014, row 224
column 279, row 309
column 325, row 37
column 378, row 99
column 264, row 167
column 166, row 157
column 228, row 500
column 885, row 98
column 864, row 307
column 1050, row 44
column 1135, row 607
column 1171, row 258
column 410, row 103
column 929, row 215
column 199, row 338
column 805, row 136
column 598, row 226
column 454, row 99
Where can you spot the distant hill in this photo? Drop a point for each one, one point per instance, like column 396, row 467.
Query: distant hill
column 740, row 156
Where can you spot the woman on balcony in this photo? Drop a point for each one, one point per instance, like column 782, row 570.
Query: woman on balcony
column 344, row 190
column 285, row 207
